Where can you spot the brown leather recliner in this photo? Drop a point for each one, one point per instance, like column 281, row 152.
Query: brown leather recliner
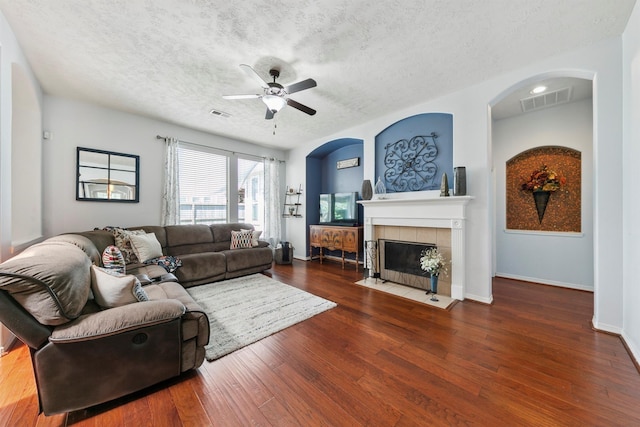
column 84, row 354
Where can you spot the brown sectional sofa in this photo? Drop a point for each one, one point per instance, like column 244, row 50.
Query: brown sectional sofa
column 203, row 249
column 84, row 354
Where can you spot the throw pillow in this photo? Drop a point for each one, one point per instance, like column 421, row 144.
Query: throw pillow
column 111, row 289
column 146, row 246
column 122, row 238
column 112, row 259
column 255, row 235
column 241, row 239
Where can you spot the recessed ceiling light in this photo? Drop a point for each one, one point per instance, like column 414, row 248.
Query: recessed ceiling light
column 538, row 89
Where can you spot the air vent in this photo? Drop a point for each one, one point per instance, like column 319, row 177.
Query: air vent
column 545, row 100
column 219, row 113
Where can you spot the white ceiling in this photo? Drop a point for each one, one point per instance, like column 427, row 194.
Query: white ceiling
column 173, row 60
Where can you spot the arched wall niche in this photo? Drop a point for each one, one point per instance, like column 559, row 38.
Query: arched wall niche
column 544, row 190
column 323, row 176
column 412, row 154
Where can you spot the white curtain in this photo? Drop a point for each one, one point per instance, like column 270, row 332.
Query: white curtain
column 273, row 208
column 171, row 188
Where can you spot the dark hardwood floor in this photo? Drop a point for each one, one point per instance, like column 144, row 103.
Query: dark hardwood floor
column 530, row 359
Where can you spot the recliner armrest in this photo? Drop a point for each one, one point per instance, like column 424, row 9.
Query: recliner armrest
column 117, row 320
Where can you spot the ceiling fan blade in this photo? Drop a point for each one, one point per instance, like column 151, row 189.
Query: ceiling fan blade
column 303, row 108
column 297, row 87
column 269, row 114
column 241, row 96
column 252, row 73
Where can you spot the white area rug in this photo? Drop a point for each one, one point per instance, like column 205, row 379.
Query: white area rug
column 246, row 309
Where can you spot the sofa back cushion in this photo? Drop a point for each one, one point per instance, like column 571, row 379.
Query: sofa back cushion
column 60, row 281
column 83, row 243
column 100, row 238
column 188, row 239
column 158, row 230
column 222, row 232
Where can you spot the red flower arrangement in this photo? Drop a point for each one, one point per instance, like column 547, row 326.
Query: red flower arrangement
column 543, row 179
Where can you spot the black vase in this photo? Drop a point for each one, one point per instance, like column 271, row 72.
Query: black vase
column 367, row 190
column 541, row 199
column 460, row 181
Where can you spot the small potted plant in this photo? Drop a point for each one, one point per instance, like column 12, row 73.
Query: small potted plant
column 433, row 262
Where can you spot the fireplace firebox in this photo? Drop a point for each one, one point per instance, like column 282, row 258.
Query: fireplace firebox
column 400, row 262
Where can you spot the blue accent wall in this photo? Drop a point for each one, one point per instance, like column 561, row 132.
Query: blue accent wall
column 407, row 161
column 346, row 180
column 323, row 176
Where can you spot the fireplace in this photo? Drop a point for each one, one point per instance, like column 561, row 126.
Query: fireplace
column 400, row 262
column 422, row 217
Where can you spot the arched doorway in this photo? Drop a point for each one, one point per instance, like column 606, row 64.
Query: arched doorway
column 520, row 120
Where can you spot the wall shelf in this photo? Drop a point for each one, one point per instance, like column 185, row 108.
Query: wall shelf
column 292, row 202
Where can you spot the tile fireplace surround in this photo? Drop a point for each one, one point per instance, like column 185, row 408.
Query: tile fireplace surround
column 405, row 214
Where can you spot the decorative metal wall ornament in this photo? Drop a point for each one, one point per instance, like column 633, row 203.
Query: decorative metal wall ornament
column 409, row 164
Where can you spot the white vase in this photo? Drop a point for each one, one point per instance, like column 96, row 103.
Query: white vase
column 380, row 189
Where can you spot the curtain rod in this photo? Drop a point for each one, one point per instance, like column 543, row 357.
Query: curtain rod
column 222, row 149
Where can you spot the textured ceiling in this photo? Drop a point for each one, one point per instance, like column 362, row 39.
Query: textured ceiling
column 173, row 60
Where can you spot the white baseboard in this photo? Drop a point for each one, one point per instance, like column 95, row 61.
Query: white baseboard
column 605, row 327
column 478, row 298
column 632, row 346
column 576, row 286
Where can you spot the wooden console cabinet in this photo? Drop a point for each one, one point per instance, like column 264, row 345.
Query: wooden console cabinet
column 345, row 239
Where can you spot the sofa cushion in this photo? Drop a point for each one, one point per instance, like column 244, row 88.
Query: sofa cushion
column 100, row 238
column 222, row 232
column 61, row 284
column 83, row 243
column 146, row 246
column 111, row 289
column 241, row 259
column 158, row 230
column 202, row 268
column 191, row 234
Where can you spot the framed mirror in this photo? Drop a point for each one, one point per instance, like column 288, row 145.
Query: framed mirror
column 106, row 176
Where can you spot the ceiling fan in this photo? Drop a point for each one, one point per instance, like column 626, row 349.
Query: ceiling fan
column 275, row 95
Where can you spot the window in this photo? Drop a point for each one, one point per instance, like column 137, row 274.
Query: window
column 250, row 192
column 203, row 186
column 209, row 187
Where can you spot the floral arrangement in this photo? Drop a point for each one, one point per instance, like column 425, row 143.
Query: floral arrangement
column 543, row 179
column 433, row 262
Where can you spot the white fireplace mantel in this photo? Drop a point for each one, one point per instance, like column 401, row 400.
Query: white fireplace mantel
column 425, row 210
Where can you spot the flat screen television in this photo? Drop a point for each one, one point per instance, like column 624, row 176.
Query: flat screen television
column 339, row 208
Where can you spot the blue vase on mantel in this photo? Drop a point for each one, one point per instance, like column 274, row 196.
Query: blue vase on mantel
column 434, row 287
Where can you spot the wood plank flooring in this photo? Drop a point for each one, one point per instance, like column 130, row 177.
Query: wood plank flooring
column 529, row 359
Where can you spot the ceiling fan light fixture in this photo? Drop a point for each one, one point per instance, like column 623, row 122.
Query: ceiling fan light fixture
column 274, row 103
